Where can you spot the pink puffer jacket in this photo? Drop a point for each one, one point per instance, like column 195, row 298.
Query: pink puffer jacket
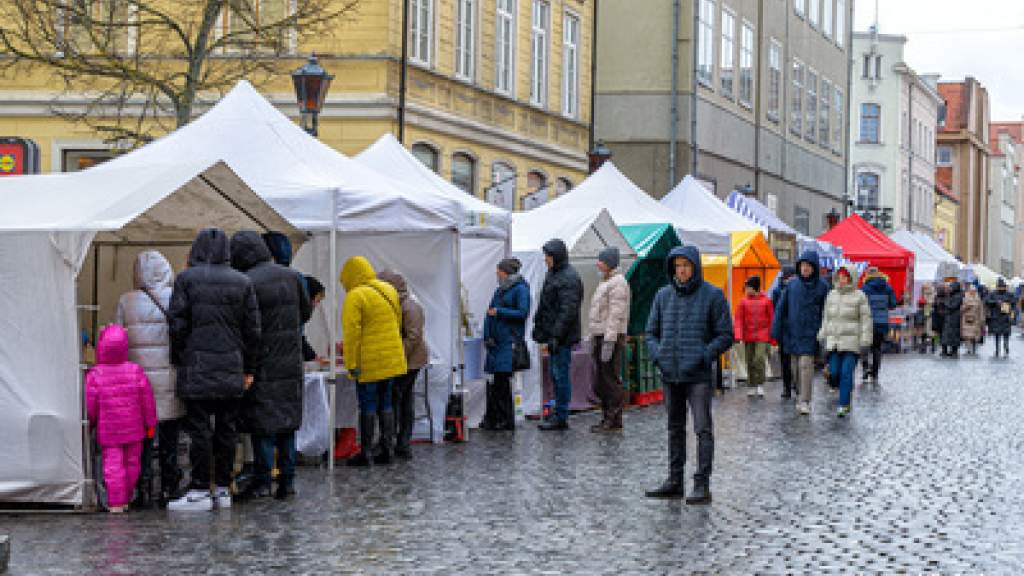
column 118, row 396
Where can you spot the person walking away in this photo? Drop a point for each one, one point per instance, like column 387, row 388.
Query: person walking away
column 847, row 328
column 374, row 356
column 417, row 355
column 882, row 299
column 753, row 327
column 143, row 314
column 951, row 305
column 797, row 322
column 688, row 329
column 504, row 330
column 557, row 325
column 609, row 321
column 938, row 315
column 787, row 274
column 1000, row 316
column 928, row 295
column 919, row 326
column 271, row 410
column 972, row 320
column 215, row 348
column 120, row 406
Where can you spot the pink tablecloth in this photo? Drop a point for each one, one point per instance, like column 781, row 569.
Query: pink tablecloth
column 582, row 374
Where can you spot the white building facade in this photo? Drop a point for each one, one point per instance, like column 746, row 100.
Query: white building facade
column 892, row 136
column 1004, row 179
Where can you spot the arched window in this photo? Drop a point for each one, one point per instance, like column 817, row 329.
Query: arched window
column 464, row 172
column 502, row 191
column 536, row 181
column 562, row 185
column 427, row 154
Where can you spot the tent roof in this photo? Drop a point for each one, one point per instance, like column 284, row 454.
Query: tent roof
column 921, row 245
column 985, row 275
column 296, row 173
column 644, row 238
column 388, row 156
column 860, row 240
column 749, row 250
column 758, row 213
column 584, row 233
column 692, row 198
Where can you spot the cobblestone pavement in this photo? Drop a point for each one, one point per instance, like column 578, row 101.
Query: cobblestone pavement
column 925, row 477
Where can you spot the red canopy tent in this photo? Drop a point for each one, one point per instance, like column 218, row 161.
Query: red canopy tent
column 863, row 242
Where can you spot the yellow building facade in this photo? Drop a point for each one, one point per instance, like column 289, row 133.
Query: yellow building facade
column 947, row 215
column 497, row 92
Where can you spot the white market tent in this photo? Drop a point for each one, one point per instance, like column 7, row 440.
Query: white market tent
column 931, row 262
column 485, row 234
column 47, row 228
column 352, row 210
column 693, row 198
column 987, row 276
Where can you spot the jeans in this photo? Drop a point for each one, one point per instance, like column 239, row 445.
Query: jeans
column 374, row 396
column 698, row 396
column 560, row 361
column 403, row 396
column 217, row 441
column 263, row 447
column 609, row 387
column 842, row 366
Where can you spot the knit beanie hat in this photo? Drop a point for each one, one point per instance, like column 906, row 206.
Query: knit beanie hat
column 754, row 282
column 509, row 266
column 610, row 257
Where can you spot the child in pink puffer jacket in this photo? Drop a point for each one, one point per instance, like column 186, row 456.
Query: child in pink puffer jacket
column 120, row 404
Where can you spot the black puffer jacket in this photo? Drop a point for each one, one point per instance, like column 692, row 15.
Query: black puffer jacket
column 951, row 315
column 215, row 323
column 274, row 403
column 558, row 311
column 999, row 323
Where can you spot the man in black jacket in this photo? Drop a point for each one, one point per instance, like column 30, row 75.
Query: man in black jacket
column 215, row 339
column 272, row 409
column 557, row 325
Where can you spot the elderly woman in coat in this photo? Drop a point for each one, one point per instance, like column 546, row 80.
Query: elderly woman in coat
column 504, row 328
column 143, row 314
column 846, row 329
column 951, row 304
column 972, row 319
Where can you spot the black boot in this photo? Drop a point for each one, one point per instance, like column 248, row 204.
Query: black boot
column 671, row 488
column 701, row 493
column 387, row 437
column 367, row 423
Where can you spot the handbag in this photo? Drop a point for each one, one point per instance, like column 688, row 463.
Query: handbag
column 520, row 356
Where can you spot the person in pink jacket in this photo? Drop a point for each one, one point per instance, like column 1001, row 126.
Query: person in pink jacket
column 120, row 404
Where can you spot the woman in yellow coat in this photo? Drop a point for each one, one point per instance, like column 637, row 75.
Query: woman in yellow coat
column 371, row 323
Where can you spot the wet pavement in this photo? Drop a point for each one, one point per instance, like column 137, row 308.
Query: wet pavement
column 925, row 477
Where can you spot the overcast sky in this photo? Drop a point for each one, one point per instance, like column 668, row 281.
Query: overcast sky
column 958, row 38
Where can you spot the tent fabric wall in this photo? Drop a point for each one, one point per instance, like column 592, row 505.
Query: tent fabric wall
column 751, row 256
column 930, row 265
column 647, row 275
column 861, row 241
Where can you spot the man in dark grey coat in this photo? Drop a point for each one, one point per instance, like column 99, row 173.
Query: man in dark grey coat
column 689, row 328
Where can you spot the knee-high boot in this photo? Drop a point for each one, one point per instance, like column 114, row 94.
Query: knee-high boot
column 367, row 423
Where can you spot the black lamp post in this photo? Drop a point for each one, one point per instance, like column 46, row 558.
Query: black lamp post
column 599, row 154
column 832, row 218
column 311, row 85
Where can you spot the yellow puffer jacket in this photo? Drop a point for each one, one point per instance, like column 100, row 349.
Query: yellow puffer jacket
column 371, row 322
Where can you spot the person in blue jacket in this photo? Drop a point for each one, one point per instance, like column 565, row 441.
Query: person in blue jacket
column 797, row 321
column 882, row 299
column 504, row 327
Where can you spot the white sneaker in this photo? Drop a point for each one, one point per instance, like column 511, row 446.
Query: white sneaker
column 751, row 392
column 803, row 408
column 192, row 501
column 222, row 497
column 760, row 391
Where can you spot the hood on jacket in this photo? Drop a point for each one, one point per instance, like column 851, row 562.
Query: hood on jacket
column 692, row 254
column 211, row 246
column 248, row 250
column 357, row 272
column 280, row 248
column 558, row 252
column 854, row 277
column 954, row 288
column 396, row 280
column 811, row 257
column 152, row 271
column 875, row 275
column 113, row 345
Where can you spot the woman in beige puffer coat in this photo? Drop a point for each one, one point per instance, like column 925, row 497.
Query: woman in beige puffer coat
column 846, row 329
column 972, row 319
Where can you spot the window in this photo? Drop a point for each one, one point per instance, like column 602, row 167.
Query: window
column 867, row 191
column 727, row 72
column 539, row 70
column 826, row 19
column 427, row 154
column 866, row 68
column 571, row 65
column 796, row 99
column 75, row 160
column 421, row 31
column 562, row 186
column 870, row 123
column 465, row 39
column 705, row 42
column 774, row 79
column 878, row 67
column 825, row 115
column 464, row 172
column 813, row 8
column 747, row 65
column 944, row 156
column 840, row 22
column 502, row 191
column 505, row 34
column 104, row 26
column 800, row 6
column 802, row 220
column 811, row 129
column 837, row 128
column 537, row 190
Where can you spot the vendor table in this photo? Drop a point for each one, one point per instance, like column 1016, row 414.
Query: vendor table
column 583, row 374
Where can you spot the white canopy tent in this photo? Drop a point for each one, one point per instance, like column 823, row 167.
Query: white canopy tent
column 931, row 262
column 47, row 228
column 352, row 210
column 485, row 231
column 693, row 198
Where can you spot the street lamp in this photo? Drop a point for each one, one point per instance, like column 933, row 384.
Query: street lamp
column 599, row 154
column 311, row 85
column 832, row 218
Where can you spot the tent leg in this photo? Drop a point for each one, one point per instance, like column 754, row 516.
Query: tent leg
column 332, row 326
column 459, row 352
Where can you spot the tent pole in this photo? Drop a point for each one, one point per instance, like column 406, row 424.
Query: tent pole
column 332, row 326
column 728, row 280
column 457, row 335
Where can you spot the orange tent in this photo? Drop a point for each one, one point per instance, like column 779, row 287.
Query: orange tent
column 751, row 256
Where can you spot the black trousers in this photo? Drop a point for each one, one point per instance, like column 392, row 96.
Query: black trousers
column 787, row 372
column 501, row 411
column 873, row 362
column 698, row 396
column 1005, row 339
column 403, row 393
column 213, row 443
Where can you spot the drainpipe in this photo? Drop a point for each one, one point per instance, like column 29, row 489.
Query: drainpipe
column 910, row 151
column 694, row 89
column 759, row 55
column 847, row 177
column 404, row 74
column 593, row 79
column 673, row 122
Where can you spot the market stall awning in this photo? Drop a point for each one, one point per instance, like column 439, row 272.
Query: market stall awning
column 862, row 242
column 758, row 213
column 647, row 275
